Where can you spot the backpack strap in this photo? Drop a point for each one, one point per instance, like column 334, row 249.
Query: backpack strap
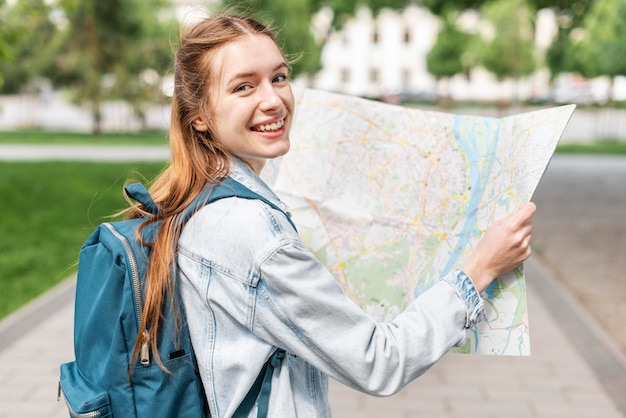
column 228, row 187
column 139, row 193
column 261, row 388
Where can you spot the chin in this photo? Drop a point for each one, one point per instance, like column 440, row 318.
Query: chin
column 281, row 149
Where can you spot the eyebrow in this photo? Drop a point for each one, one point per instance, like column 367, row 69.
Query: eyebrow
column 251, row 74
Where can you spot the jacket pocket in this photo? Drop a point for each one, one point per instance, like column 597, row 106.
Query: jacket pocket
column 84, row 399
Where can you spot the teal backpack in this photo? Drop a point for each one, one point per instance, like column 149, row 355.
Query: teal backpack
column 108, row 309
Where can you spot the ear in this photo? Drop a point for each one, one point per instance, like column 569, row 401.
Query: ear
column 200, row 125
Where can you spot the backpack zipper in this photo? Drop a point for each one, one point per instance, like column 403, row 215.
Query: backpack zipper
column 145, row 345
column 144, row 357
column 93, row 414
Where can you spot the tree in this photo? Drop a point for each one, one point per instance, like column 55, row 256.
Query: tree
column 443, row 7
column 292, row 20
column 569, row 17
column 147, row 59
column 25, row 30
column 602, row 49
column 446, row 58
column 104, row 46
column 508, row 51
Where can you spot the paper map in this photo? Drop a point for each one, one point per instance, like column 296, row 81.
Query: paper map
column 390, row 199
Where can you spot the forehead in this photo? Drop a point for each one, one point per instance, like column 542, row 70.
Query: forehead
column 249, row 54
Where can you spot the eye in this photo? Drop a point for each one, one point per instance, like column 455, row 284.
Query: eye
column 243, row 87
column 279, row 78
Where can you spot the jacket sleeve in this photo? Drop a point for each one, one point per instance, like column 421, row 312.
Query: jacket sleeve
column 302, row 308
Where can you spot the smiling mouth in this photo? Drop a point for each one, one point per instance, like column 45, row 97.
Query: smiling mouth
column 270, row 127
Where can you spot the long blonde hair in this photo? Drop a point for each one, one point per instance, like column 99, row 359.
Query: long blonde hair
column 196, row 157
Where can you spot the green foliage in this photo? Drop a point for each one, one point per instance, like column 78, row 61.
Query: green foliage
column 443, row 7
column 48, row 210
column 25, row 31
column 602, row 49
column 509, row 53
column 107, row 46
column 445, row 59
column 292, row 20
column 569, row 17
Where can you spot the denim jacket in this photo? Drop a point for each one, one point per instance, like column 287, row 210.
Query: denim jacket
column 249, row 285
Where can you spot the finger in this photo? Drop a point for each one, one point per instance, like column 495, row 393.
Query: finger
column 525, row 212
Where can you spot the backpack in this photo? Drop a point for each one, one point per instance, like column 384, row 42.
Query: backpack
column 108, row 309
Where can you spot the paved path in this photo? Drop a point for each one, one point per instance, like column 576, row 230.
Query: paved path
column 576, row 369
column 45, row 152
column 557, row 380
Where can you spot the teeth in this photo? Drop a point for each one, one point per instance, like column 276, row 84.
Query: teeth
column 272, row 126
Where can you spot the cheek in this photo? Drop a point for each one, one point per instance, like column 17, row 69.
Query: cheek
column 289, row 100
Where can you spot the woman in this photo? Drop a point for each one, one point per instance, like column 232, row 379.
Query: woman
column 248, row 284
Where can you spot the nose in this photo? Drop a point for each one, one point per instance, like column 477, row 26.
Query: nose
column 269, row 98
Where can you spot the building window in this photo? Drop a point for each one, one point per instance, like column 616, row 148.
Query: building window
column 407, row 35
column 406, row 78
column 375, row 36
column 374, row 75
column 344, row 75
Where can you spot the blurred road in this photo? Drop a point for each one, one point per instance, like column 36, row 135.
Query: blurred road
column 580, row 233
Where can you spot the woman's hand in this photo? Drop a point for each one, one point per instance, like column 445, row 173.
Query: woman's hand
column 504, row 246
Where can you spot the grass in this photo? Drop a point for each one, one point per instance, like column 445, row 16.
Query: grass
column 41, row 137
column 599, row 147
column 48, row 210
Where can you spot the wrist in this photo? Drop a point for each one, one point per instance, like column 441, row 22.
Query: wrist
column 481, row 277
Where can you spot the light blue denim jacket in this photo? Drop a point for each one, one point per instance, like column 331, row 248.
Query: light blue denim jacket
column 249, row 285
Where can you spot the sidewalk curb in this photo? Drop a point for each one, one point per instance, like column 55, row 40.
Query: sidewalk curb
column 22, row 321
column 588, row 337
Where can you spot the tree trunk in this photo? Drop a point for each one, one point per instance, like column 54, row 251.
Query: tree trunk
column 96, row 113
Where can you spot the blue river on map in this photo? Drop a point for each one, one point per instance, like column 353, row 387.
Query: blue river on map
column 478, row 138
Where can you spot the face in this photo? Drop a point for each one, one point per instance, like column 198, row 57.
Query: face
column 253, row 107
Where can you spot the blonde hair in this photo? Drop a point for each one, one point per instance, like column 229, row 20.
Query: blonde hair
column 196, row 157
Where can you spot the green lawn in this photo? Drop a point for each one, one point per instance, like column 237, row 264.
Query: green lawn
column 47, row 211
column 41, row 137
column 599, row 147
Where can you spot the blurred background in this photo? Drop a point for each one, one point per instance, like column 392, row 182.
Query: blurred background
column 89, row 66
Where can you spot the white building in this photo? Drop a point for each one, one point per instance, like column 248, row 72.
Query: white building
column 386, row 55
column 375, row 57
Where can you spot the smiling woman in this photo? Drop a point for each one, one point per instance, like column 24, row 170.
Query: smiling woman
column 255, row 299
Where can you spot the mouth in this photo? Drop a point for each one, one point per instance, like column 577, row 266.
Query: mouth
column 270, row 127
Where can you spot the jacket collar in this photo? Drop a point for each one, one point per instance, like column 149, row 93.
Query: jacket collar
column 242, row 172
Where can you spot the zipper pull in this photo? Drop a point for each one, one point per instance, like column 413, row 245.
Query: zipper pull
column 144, row 357
column 59, row 392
